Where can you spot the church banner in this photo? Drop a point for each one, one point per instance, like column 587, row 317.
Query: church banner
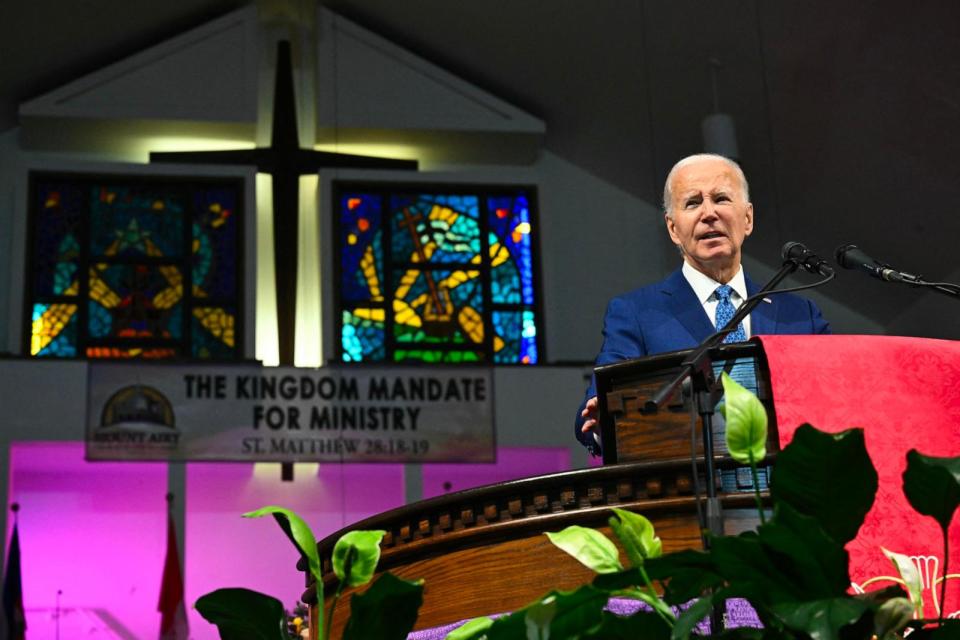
column 286, row 414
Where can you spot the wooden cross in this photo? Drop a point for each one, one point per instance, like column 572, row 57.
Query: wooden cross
column 285, row 161
column 436, row 293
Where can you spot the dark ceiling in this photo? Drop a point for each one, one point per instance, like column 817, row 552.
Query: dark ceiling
column 847, row 113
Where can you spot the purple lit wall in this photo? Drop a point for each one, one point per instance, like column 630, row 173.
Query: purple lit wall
column 512, row 463
column 96, row 532
column 225, row 550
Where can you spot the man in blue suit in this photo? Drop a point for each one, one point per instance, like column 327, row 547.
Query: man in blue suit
column 707, row 209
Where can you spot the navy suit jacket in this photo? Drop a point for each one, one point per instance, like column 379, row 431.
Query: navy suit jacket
column 667, row 316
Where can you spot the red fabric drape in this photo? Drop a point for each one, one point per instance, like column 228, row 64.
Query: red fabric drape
column 905, row 393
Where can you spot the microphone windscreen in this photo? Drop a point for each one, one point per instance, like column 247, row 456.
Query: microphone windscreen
column 792, row 251
column 849, row 256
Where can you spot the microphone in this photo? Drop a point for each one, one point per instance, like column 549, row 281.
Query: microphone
column 849, row 256
column 798, row 253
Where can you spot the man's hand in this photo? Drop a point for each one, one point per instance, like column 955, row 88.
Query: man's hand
column 589, row 414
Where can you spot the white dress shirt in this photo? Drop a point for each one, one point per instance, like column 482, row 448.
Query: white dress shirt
column 704, row 287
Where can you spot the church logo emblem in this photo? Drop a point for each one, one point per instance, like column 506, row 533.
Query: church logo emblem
column 138, row 415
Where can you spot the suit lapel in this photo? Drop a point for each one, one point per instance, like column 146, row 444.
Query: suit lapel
column 685, row 307
column 763, row 318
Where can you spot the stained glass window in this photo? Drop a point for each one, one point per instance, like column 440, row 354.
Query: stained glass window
column 134, row 267
column 436, row 275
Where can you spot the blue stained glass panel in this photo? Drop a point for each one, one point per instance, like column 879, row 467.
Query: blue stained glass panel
column 101, row 320
column 505, row 284
column 214, row 232
column 361, row 255
column 430, row 230
column 59, row 210
column 64, row 278
column 518, row 331
column 54, row 330
column 207, row 347
column 139, row 299
column 468, row 204
column 212, row 329
column 528, row 343
column 127, row 248
column 438, row 306
column 362, row 339
column 175, row 324
column 510, row 223
column 507, row 326
column 136, row 221
column 202, row 262
column 64, row 345
column 451, row 294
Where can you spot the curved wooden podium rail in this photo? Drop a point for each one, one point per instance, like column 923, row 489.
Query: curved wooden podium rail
column 482, row 551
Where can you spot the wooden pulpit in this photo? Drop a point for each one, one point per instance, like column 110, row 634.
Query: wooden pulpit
column 622, row 389
column 482, row 551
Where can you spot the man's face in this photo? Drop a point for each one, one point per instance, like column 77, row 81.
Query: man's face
column 710, row 217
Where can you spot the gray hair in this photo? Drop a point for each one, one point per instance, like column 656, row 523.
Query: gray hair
column 668, row 194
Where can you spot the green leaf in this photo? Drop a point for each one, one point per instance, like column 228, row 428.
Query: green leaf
column 559, row 614
column 539, row 617
column 689, row 573
column 932, row 486
column 822, row 619
column 637, row 536
column 589, row 547
column 643, row 624
column 355, row 556
column 810, row 471
column 473, row 630
column 947, row 630
column 386, row 611
column 649, row 598
column 891, row 617
column 910, row 575
column 297, row 531
column 242, row 614
column 626, row 579
column 804, row 555
column 746, row 420
column 691, row 617
column 745, row 562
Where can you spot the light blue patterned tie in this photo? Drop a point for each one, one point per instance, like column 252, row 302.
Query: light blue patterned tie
column 725, row 311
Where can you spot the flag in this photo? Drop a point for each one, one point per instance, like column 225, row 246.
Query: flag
column 173, row 615
column 13, row 591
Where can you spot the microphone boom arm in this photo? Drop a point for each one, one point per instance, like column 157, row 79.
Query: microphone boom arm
column 850, row 256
